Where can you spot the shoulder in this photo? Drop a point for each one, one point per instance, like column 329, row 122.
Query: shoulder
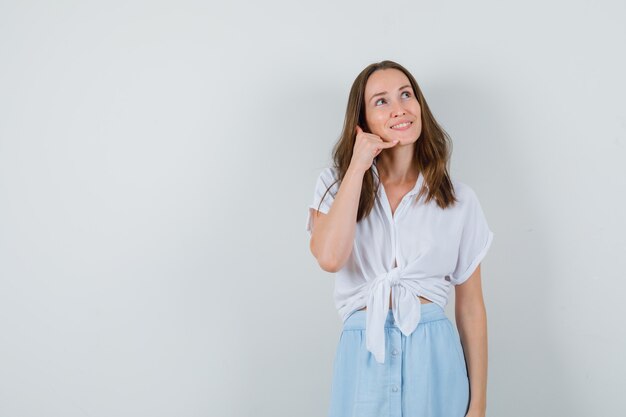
column 465, row 194
column 463, row 191
column 327, row 182
column 329, row 175
column 331, row 172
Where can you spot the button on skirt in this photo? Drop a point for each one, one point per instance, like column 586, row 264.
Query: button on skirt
column 424, row 374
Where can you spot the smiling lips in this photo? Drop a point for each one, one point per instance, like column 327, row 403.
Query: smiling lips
column 402, row 126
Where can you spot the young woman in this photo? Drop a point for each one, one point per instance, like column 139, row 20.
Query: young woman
column 399, row 233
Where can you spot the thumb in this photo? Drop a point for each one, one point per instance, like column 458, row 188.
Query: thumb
column 358, row 129
column 390, row 144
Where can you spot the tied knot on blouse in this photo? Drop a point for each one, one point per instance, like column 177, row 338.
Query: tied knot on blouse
column 394, row 277
column 405, row 306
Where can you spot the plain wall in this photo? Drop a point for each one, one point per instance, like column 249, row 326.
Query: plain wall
column 156, row 164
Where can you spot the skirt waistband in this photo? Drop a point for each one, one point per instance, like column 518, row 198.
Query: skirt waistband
column 429, row 312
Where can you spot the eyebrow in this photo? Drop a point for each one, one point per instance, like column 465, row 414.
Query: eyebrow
column 384, row 92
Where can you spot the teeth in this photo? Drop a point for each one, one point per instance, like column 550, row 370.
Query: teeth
column 401, row 125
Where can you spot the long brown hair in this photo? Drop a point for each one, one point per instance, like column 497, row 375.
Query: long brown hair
column 432, row 148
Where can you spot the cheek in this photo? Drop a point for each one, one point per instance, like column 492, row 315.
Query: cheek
column 375, row 121
column 417, row 111
column 379, row 120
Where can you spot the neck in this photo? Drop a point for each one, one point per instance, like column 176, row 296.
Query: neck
column 397, row 168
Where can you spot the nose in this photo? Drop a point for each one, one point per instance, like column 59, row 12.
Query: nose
column 397, row 110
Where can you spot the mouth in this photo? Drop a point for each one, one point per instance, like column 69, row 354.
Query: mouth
column 402, row 126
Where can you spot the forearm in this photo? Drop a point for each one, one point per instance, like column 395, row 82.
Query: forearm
column 472, row 326
column 333, row 236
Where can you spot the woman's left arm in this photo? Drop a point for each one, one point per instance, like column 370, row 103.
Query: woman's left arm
column 471, row 321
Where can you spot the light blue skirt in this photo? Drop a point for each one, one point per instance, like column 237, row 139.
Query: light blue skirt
column 424, row 374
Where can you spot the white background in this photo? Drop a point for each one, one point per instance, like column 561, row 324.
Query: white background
column 156, row 164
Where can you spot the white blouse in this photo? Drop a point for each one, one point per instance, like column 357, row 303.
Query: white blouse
column 433, row 249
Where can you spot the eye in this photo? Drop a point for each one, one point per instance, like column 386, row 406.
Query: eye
column 407, row 93
column 376, row 102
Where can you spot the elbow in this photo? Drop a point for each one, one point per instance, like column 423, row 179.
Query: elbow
column 329, row 265
column 327, row 260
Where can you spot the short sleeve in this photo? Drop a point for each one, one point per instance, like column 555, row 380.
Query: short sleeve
column 327, row 180
column 476, row 238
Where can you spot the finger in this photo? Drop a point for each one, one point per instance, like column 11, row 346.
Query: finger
column 389, row 144
column 358, row 129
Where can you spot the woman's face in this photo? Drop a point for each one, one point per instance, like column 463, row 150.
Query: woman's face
column 391, row 108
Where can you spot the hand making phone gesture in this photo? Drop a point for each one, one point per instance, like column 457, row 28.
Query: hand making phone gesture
column 366, row 147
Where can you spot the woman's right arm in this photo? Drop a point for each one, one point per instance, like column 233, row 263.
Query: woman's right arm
column 332, row 234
